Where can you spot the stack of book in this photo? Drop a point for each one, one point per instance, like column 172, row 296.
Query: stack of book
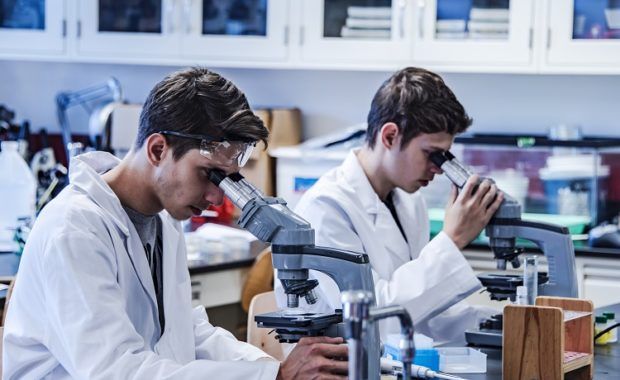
column 368, row 22
column 451, row 29
column 488, row 23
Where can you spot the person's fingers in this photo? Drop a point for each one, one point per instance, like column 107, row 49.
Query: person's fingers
column 332, row 376
column 335, row 367
column 471, row 183
column 330, row 350
column 483, row 188
column 320, row 339
column 495, row 205
column 489, row 196
column 454, row 192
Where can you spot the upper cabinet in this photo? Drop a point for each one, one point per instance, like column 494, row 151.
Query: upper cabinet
column 474, row 32
column 177, row 29
column 235, row 29
column 356, row 31
column 32, row 26
column 584, row 33
column 147, row 28
column 513, row 36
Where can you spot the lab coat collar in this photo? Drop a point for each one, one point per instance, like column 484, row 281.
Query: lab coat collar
column 383, row 221
column 356, row 178
column 85, row 174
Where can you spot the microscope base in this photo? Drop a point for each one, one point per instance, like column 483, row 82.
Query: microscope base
column 484, row 337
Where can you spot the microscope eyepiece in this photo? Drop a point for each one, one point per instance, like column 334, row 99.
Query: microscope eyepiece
column 216, row 176
column 438, row 158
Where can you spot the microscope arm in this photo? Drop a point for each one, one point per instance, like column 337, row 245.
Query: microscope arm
column 554, row 241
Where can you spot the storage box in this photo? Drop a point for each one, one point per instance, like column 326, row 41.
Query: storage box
column 297, row 169
column 461, row 360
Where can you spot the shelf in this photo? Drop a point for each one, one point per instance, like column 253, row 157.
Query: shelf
column 575, row 360
column 570, row 315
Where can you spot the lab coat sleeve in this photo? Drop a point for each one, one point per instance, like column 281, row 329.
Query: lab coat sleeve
column 89, row 332
column 426, row 286
column 218, row 344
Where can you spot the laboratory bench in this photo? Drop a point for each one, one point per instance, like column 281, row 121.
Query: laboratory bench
column 606, row 359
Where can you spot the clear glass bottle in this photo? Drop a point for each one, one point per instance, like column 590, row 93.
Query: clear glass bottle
column 530, row 278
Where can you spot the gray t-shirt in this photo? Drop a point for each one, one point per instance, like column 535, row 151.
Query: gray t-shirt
column 150, row 231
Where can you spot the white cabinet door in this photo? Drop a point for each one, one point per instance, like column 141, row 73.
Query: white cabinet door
column 584, row 33
column 600, row 280
column 455, row 32
column 356, row 32
column 32, row 26
column 148, row 28
column 235, row 29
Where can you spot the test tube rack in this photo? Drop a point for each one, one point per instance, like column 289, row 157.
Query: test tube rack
column 551, row 340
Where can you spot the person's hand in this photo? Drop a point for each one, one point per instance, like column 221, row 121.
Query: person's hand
column 469, row 211
column 318, row 357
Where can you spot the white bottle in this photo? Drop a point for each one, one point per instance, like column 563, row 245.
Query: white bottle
column 522, row 296
column 17, row 193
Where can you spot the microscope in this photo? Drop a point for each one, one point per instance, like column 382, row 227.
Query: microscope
column 293, row 255
column 503, row 230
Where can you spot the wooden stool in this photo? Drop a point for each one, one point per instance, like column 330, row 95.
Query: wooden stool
column 550, row 341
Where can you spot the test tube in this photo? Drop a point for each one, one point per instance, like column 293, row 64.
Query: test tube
column 530, row 278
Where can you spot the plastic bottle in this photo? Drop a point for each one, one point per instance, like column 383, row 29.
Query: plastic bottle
column 17, row 193
column 521, row 298
column 611, row 320
column 600, row 324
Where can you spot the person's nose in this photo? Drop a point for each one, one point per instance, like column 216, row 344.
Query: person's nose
column 214, row 195
column 435, row 169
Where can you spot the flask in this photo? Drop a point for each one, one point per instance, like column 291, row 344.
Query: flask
column 17, row 193
column 611, row 320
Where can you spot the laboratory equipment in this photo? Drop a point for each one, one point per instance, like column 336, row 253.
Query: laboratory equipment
column 293, row 255
column 99, row 101
column 360, row 317
column 417, row 371
column 503, row 230
column 17, row 194
column 530, row 278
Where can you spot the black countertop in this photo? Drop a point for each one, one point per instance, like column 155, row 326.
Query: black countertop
column 580, row 251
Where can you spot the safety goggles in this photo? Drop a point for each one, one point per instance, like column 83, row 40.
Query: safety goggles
column 220, row 151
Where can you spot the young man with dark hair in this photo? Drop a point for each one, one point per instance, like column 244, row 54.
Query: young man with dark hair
column 103, row 290
column 370, row 204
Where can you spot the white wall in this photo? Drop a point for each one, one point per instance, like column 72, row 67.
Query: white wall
column 334, row 99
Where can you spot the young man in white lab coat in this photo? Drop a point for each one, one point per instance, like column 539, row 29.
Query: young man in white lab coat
column 370, row 204
column 103, row 289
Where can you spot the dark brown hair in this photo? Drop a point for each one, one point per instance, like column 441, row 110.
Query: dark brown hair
column 417, row 101
column 198, row 101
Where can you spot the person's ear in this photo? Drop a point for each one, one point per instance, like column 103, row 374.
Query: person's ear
column 390, row 135
column 156, row 148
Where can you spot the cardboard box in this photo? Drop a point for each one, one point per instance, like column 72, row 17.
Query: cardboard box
column 284, row 130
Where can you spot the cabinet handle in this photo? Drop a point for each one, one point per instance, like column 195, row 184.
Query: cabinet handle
column 187, row 12
column 421, row 11
column 402, row 5
column 170, row 16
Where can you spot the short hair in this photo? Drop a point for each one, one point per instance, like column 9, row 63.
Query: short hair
column 417, row 101
column 198, row 101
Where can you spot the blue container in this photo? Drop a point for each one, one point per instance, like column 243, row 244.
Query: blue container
column 575, row 196
column 428, row 357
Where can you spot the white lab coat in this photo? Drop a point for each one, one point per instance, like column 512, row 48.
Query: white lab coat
column 427, row 278
column 84, row 303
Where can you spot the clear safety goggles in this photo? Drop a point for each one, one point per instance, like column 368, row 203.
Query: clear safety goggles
column 220, row 151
